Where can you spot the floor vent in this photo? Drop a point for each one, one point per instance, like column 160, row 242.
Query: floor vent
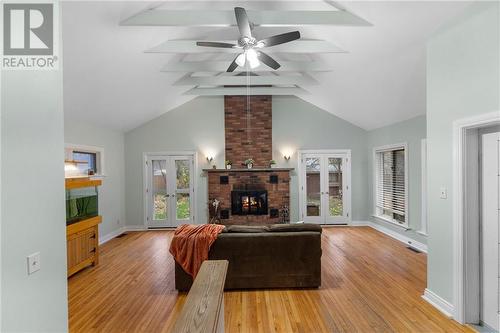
column 121, row 235
column 413, row 249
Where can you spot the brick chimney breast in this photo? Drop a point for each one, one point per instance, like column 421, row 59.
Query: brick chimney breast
column 248, row 122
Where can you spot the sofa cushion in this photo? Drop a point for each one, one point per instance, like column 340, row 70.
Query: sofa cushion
column 247, row 228
column 295, row 227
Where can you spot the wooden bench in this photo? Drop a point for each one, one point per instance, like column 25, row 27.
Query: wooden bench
column 204, row 307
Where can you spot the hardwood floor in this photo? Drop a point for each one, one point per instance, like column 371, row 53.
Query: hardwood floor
column 370, row 283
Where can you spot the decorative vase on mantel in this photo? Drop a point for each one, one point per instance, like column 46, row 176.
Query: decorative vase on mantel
column 249, row 163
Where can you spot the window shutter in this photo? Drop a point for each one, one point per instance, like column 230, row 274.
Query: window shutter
column 391, row 184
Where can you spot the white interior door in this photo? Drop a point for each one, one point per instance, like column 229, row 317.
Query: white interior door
column 169, row 190
column 325, row 188
column 490, row 277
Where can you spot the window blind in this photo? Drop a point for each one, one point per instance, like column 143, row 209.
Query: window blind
column 391, row 184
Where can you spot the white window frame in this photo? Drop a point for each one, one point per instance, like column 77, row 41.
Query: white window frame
column 99, row 151
column 385, row 218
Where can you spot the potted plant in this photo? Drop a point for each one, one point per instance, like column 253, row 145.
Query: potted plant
column 272, row 163
column 249, row 163
column 228, row 164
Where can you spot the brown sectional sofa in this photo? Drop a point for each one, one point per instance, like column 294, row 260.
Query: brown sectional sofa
column 271, row 256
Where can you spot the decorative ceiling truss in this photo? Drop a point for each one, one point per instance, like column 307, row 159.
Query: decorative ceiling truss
column 298, row 46
column 217, row 91
column 292, row 78
column 221, row 66
column 228, row 80
column 225, row 18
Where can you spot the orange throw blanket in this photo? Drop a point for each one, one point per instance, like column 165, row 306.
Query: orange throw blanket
column 191, row 243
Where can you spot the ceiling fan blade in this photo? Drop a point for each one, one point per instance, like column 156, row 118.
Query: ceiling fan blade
column 233, row 65
column 266, row 59
column 216, row 44
column 243, row 22
column 280, row 39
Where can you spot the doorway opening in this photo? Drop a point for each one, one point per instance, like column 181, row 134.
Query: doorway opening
column 168, row 189
column 325, row 186
column 476, row 221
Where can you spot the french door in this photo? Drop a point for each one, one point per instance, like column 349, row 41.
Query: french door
column 169, row 190
column 325, row 187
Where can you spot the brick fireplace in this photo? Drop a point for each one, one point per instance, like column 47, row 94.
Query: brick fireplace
column 248, row 134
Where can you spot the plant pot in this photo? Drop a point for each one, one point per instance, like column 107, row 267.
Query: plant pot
column 249, row 165
column 228, row 166
column 272, row 165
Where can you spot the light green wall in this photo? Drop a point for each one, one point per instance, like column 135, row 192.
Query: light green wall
column 112, row 191
column 33, row 204
column 411, row 131
column 299, row 125
column 199, row 126
column 462, row 81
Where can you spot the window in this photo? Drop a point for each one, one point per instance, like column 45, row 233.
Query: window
column 79, row 159
column 89, row 157
column 391, row 184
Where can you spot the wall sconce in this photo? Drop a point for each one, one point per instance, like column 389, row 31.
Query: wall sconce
column 210, row 159
column 287, row 157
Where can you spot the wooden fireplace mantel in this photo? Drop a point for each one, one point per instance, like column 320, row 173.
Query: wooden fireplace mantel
column 248, row 170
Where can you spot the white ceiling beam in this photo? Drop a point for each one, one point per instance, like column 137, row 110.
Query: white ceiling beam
column 221, row 66
column 298, row 46
column 300, row 80
column 218, row 91
column 224, row 18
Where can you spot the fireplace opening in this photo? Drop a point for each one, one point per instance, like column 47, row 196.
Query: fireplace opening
column 249, row 202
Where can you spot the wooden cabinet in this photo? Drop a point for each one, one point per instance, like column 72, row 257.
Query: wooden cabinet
column 82, row 244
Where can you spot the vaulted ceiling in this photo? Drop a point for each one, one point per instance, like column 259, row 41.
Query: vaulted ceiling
column 128, row 62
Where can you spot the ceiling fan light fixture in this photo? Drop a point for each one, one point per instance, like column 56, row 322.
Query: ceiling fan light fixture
column 252, row 58
column 240, row 60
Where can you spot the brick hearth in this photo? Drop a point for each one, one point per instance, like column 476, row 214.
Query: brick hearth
column 278, row 194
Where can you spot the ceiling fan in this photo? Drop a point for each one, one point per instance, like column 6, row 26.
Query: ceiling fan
column 252, row 53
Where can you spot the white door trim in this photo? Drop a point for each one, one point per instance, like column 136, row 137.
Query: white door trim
column 423, row 188
column 460, row 128
column 145, row 171
column 347, row 153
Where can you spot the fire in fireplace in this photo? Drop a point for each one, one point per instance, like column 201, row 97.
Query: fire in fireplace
column 245, row 202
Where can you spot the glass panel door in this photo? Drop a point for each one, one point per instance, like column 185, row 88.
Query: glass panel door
column 312, row 189
column 182, row 191
column 324, row 181
column 158, row 203
column 169, row 191
column 334, row 189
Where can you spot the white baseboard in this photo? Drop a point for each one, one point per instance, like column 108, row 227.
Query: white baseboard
column 138, row 227
column 104, row 238
column 360, row 224
column 439, row 303
column 396, row 235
